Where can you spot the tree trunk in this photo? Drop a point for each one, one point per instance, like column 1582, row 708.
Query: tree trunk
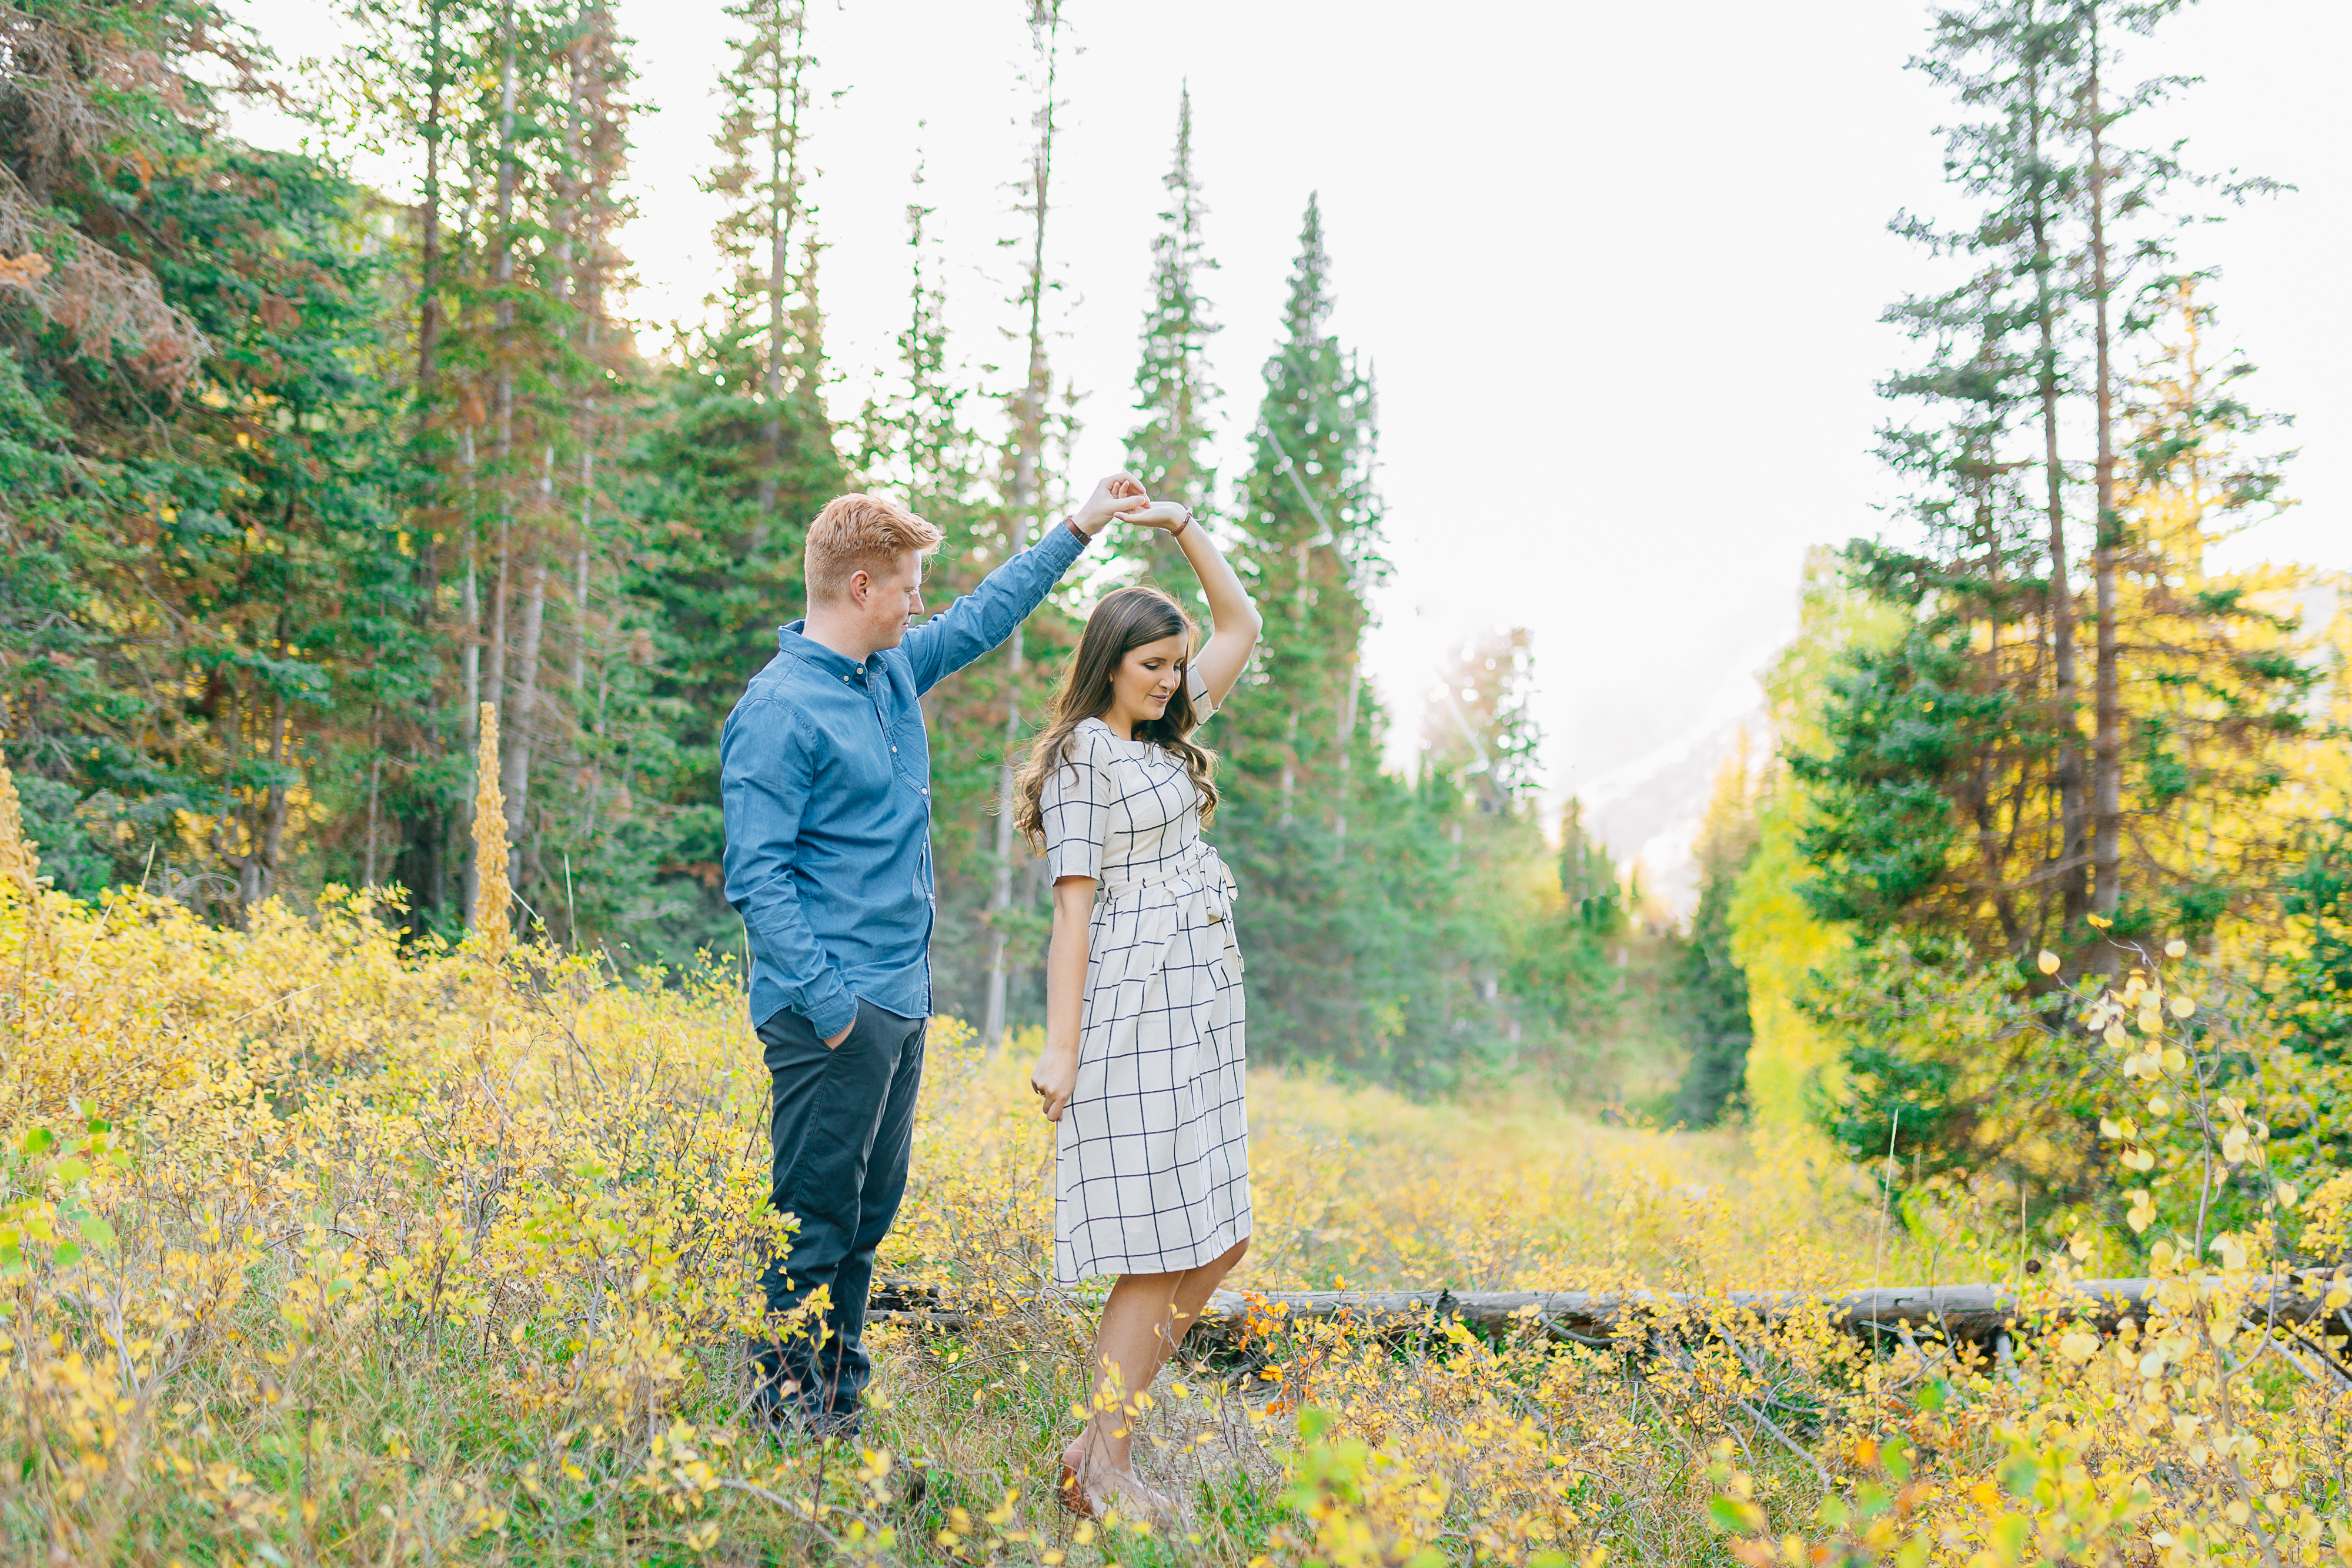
column 1638, row 1320
column 503, row 275
column 2072, row 860
column 2106, row 767
column 784, row 205
column 428, row 302
column 521, row 732
column 1346, row 739
column 501, row 588
column 1028, row 454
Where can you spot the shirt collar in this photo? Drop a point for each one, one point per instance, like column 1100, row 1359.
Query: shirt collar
column 807, row 649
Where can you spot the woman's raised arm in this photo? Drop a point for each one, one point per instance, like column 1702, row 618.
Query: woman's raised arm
column 1233, row 619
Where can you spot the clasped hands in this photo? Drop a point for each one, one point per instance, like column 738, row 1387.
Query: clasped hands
column 1121, row 497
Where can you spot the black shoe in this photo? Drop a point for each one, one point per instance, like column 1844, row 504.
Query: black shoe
column 787, row 1417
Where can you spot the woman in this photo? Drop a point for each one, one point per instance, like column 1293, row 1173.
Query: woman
column 1144, row 1052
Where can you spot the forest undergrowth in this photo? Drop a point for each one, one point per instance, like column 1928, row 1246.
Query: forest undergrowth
column 313, row 1250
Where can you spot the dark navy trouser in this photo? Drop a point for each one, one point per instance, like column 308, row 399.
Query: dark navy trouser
column 842, row 1126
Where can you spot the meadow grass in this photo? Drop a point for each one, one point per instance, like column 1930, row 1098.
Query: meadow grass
column 313, row 1250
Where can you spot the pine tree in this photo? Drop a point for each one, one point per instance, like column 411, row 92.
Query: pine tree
column 1301, row 737
column 1479, row 729
column 740, row 455
column 1712, row 986
column 1169, row 451
column 1027, row 496
column 1948, row 822
column 206, row 602
column 921, row 443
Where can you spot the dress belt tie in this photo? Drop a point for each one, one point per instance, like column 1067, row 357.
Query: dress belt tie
column 1199, row 862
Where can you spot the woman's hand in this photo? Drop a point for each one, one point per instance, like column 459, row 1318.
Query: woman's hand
column 1118, row 495
column 1159, row 514
column 1055, row 1078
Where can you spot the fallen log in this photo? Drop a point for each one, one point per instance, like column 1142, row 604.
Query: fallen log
column 1974, row 1314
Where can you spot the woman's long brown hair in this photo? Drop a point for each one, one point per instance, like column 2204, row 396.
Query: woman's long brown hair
column 1124, row 621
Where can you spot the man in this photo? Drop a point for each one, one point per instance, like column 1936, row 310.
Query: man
column 825, row 779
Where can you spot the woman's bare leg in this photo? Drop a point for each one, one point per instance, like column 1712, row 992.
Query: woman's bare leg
column 1145, row 1319
column 1193, row 1289
column 1128, row 1350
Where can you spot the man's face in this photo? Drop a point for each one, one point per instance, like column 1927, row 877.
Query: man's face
column 892, row 598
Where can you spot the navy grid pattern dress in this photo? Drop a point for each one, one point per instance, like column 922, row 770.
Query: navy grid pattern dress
column 1151, row 1171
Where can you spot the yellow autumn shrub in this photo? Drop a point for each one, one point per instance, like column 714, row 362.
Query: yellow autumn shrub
column 316, row 1250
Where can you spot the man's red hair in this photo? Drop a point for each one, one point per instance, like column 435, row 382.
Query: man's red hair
column 860, row 533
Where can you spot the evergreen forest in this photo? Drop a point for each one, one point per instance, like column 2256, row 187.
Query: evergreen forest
column 299, row 474
column 296, row 474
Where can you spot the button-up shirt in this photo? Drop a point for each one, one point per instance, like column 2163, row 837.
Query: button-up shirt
column 825, row 780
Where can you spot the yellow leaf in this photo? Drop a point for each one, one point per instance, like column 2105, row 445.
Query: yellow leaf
column 2182, row 1006
column 2048, row 962
column 2176, row 948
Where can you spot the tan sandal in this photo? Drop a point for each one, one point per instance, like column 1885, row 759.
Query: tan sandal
column 1072, row 1493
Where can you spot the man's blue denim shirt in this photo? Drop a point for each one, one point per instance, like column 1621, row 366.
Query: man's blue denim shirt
column 825, row 780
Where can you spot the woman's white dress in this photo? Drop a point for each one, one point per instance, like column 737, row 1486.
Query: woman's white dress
column 1151, row 1174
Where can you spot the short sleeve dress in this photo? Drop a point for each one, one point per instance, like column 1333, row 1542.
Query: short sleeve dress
column 1151, row 1172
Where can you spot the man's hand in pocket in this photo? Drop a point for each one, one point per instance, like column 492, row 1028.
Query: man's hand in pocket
column 834, row 1043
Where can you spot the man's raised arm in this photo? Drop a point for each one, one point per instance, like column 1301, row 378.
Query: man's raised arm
column 987, row 615
column 764, row 770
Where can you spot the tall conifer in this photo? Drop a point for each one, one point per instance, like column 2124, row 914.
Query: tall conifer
column 1170, row 451
column 1026, row 487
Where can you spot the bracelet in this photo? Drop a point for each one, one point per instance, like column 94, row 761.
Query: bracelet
column 1084, row 538
column 1178, row 532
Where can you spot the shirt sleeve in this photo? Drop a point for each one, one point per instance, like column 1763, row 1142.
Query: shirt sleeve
column 1076, row 806
column 765, row 768
column 987, row 615
column 1197, row 688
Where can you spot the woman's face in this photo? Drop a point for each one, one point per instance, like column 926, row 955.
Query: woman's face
column 1145, row 681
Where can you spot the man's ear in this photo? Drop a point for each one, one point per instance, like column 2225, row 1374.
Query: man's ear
column 859, row 588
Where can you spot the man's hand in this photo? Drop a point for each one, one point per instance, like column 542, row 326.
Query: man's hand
column 1113, row 498
column 834, row 1043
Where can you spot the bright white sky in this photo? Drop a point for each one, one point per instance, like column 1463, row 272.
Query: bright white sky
column 1619, row 268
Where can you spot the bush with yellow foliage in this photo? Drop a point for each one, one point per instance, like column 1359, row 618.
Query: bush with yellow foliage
column 316, row 1250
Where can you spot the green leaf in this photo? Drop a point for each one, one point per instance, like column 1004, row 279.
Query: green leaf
column 1731, row 1513
column 67, row 1254
column 98, row 1232
column 39, row 1140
